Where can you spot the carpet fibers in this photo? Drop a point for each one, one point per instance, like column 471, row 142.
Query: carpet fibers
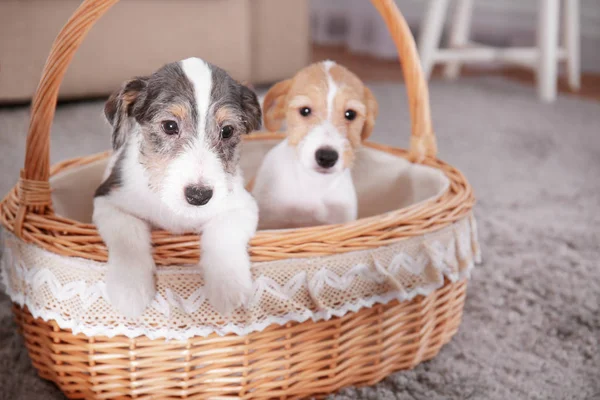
column 531, row 327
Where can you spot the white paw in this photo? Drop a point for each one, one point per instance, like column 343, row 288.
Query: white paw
column 130, row 286
column 228, row 283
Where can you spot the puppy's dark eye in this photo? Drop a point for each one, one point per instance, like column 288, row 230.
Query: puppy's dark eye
column 305, row 111
column 350, row 115
column 226, row 131
column 170, row 127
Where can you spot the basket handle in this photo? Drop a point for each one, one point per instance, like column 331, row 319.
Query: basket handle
column 34, row 190
column 422, row 139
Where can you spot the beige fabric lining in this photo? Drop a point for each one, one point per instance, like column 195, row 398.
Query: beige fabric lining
column 383, row 182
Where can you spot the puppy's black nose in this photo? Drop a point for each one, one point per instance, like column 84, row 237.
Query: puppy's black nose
column 326, row 157
column 198, row 195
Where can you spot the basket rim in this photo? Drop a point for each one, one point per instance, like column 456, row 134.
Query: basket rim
column 55, row 233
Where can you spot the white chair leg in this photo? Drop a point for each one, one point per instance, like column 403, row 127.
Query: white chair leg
column 431, row 32
column 571, row 42
column 547, row 38
column 459, row 34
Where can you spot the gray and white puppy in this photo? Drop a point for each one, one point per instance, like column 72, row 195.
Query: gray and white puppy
column 175, row 166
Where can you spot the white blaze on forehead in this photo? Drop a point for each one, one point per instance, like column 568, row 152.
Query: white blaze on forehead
column 328, row 64
column 200, row 74
column 332, row 87
column 199, row 163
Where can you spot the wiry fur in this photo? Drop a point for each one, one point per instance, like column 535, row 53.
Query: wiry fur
column 291, row 187
column 144, row 185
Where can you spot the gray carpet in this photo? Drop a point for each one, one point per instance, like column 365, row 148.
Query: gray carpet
column 531, row 327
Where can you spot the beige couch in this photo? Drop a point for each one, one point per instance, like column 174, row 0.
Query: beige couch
column 257, row 41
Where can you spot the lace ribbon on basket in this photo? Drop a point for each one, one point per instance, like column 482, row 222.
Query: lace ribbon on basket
column 71, row 290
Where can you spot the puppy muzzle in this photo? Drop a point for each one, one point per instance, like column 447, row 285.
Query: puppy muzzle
column 198, row 195
column 326, row 157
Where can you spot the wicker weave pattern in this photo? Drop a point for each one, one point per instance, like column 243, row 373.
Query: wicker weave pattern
column 290, row 362
column 287, row 362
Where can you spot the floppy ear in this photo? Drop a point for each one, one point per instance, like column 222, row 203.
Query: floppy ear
column 119, row 109
column 372, row 111
column 274, row 105
column 251, row 109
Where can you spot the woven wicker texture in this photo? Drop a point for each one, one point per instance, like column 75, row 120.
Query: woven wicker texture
column 291, row 361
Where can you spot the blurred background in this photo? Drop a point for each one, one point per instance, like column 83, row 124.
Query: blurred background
column 263, row 41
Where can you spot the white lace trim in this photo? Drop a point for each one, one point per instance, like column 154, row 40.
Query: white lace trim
column 71, row 291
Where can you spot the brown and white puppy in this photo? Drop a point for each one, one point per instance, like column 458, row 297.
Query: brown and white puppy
column 175, row 166
column 305, row 180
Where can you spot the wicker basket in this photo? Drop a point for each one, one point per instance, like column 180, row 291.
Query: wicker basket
column 295, row 359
